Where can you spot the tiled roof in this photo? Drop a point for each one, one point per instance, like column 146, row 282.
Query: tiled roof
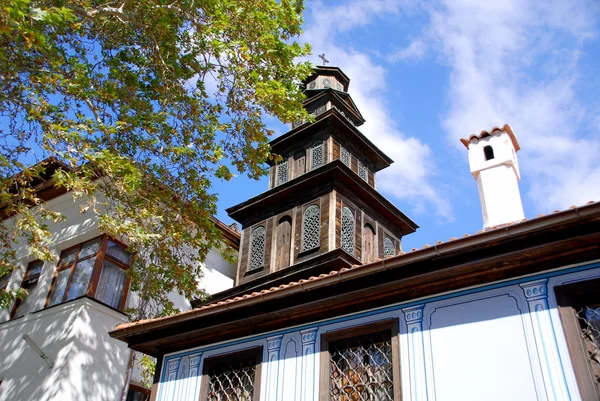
column 333, row 273
column 506, row 128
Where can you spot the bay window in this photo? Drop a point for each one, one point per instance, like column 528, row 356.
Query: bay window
column 96, row 268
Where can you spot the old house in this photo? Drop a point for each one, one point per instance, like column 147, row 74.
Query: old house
column 328, row 306
column 54, row 344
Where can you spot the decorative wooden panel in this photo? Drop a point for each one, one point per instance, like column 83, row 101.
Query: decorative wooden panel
column 371, row 179
column 368, row 243
column 338, row 221
column 268, row 244
column 324, row 224
column 298, row 234
column 354, row 164
column 358, row 234
column 243, row 264
column 283, row 242
column 380, row 235
column 348, row 225
column 336, row 149
column 299, row 166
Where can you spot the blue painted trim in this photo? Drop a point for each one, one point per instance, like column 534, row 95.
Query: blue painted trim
column 386, row 309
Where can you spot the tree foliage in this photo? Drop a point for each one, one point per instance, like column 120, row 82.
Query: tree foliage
column 145, row 102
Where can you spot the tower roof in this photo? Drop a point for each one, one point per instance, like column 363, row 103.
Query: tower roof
column 330, row 71
column 506, row 128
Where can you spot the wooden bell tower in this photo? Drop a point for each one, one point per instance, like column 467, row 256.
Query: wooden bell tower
column 322, row 211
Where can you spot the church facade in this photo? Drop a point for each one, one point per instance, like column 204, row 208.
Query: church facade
column 328, row 306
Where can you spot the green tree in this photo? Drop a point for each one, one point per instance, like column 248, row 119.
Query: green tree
column 145, row 102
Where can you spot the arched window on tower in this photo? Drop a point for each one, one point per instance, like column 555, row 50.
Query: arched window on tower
column 347, row 230
column 368, row 243
column 257, row 248
column 488, row 151
column 284, row 241
column 389, row 248
column 311, row 224
column 316, row 155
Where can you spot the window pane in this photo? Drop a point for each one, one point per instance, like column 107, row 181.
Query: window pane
column 68, row 257
column 257, row 248
column 311, row 228
column 361, row 369
column 232, row 382
column 34, row 269
column 28, row 304
column 59, row 287
column 81, row 278
column 111, row 285
column 89, row 248
column 117, row 252
column 347, row 230
column 589, row 317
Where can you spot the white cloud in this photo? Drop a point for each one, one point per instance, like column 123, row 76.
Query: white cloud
column 414, row 51
column 410, row 177
column 516, row 62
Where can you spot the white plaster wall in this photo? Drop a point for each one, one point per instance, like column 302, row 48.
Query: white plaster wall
column 88, row 365
column 502, row 341
column 497, row 180
column 499, row 196
column 79, row 227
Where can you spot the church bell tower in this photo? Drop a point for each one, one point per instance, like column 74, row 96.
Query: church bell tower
column 321, row 211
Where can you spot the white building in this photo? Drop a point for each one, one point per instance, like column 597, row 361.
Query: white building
column 327, row 306
column 55, row 344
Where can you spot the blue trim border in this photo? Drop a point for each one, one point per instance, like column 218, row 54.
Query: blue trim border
column 394, row 307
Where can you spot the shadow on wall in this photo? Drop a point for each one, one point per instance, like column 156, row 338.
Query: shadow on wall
column 87, row 363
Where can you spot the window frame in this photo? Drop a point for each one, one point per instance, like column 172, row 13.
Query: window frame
column 249, row 269
column 392, row 325
column 568, row 298
column 26, row 279
column 353, row 214
column 283, row 164
column 362, row 168
column 303, row 249
column 101, row 255
column 233, row 357
column 313, row 150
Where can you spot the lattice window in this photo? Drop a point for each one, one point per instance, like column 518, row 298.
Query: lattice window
column 347, row 230
column 257, row 248
column 362, row 171
column 311, row 228
column 389, row 249
column 232, row 382
column 345, row 156
column 316, row 155
column 362, row 369
column 282, row 172
column 589, row 319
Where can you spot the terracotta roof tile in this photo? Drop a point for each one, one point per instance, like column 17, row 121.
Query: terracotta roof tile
column 273, row 289
column 506, row 128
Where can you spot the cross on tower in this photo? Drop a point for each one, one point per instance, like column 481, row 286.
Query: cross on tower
column 322, row 57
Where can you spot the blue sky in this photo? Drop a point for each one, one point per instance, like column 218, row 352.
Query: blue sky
column 425, row 74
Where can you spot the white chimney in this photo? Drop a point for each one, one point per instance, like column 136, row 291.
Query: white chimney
column 493, row 162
